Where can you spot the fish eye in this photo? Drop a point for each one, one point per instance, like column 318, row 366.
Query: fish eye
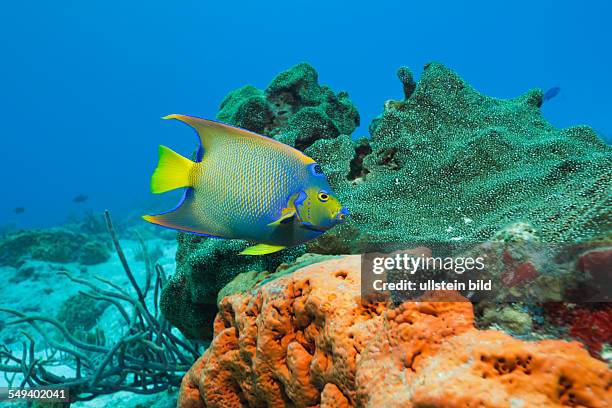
column 323, row 196
column 341, row 216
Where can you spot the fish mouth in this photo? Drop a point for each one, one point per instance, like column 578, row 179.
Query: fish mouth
column 342, row 214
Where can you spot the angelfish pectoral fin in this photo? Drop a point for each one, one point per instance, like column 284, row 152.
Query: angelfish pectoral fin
column 291, row 210
column 262, row 249
column 288, row 215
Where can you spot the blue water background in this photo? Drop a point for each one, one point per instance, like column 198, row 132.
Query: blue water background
column 83, row 84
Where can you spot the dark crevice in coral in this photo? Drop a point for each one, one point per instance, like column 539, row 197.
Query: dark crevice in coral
column 405, row 76
column 283, row 105
column 341, row 274
column 357, row 169
column 388, row 158
column 410, row 364
column 282, row 391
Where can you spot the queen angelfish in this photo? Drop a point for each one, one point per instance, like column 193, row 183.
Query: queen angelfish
column 245, row 186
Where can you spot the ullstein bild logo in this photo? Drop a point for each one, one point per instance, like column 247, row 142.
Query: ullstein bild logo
column 498, row 272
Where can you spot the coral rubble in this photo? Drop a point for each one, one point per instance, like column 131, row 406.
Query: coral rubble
column 53, row 245
column 305, row 339
column 589, row 323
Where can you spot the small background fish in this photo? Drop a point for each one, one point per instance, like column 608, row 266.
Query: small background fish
column 81, row 198
column 551, row 93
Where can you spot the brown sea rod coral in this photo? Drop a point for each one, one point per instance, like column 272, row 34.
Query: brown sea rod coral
column 306, row 340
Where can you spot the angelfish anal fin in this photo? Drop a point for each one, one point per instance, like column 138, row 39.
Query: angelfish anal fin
column 287, row 216
column 262, row 249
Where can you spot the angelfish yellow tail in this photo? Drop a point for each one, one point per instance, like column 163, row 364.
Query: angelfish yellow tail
column 172, row 171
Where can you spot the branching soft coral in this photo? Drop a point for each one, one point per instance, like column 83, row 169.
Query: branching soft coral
column 147, row 359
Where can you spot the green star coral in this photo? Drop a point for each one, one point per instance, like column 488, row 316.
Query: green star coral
column 450, row 164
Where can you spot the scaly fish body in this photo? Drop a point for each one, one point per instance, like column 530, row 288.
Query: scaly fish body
column 246, row 186
column 243, row 185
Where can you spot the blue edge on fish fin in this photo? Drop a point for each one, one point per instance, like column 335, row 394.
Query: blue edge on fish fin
column 187, row 194
column 287, row 220
column 200, row 153
column 300, row 198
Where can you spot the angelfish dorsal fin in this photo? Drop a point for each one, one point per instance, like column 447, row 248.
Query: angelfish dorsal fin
column 210, row 131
